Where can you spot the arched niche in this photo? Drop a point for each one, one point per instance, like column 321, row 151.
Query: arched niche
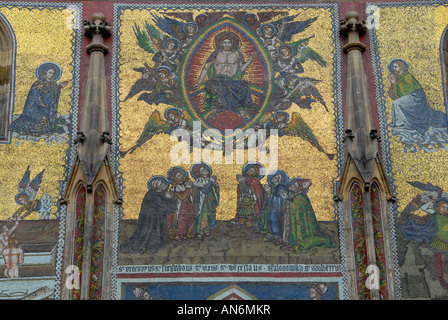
column 7, row 61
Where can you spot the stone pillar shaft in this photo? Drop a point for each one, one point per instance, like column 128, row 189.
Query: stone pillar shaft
column 93, row 148
column 358, row 123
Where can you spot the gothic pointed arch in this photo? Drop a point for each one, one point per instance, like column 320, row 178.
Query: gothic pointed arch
column 78, row 234
column 379, row 241
column 359, row 241
column 7, row 60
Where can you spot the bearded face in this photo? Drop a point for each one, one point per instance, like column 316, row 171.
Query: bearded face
column 179, row 178
column 397, row 68
column 252, row 172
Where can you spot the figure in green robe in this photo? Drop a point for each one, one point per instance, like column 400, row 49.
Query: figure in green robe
column 207, row 198
column 301, row 231
column 413, row 120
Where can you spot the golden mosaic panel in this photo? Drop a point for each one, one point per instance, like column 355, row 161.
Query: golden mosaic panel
column 419, row 46
column 42, row 35
column 296, row 156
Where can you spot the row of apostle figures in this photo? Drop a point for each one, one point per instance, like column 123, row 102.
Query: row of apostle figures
column 178, row 208
column 280, row 209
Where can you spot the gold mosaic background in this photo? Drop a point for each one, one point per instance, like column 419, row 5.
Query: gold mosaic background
column 413, row 33
column 41, row 35
column 296, row 157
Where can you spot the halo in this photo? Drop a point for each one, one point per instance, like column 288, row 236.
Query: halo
column 261, row 172
column 161, row 68
column 199, row 164
column 289, row 77
column 390, row 65
column 236, row 40
column 168, row 110
column 184, row 28
column 16, row 198
column 152, row 179
column 277, row 113
column 49, row 65
column 285, row 46
column 178, row 169
column 285, row 177
column 436, row 203
column 274, row 29
column 246, row 15
column 171, row 40
column 202, row 15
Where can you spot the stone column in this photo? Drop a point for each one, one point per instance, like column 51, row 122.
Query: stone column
column 92, row 169
column 92, row 147
column 363, row 163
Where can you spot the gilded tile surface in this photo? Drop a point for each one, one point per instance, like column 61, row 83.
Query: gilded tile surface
column 42, row 82
column 40, row 124
column 203, row 70
column 296, row 156
column 406, row 45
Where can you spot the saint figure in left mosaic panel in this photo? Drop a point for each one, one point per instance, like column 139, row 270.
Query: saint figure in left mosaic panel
column 38, row 149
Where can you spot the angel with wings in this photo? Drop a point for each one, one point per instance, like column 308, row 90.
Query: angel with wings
column 174, row 119
column 280, row 31
column 164, row 49
column 157, row 86
column 425, row 219
column 183, row 31
column 291, row 57
column 286, row 125
column 26, row 197
column 294, row 89
column 293, row 125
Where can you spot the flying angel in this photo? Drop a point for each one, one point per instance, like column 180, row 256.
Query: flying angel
column 26, row 197
column 163, row 48
column 145, row 83
column 174, row 119
column 288, row 27
column 280, row 121
column 424, row 200
column 297, row 127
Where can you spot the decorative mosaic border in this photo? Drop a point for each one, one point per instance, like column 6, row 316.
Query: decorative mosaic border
column 254, row 278
column 73, row 112
column 115, row 108
column 13, row 79
column 384, row 128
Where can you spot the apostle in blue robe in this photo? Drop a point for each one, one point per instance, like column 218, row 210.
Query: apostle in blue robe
column 39, row 116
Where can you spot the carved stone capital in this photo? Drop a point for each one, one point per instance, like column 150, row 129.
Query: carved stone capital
column 351, row 24
column 98, row 26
